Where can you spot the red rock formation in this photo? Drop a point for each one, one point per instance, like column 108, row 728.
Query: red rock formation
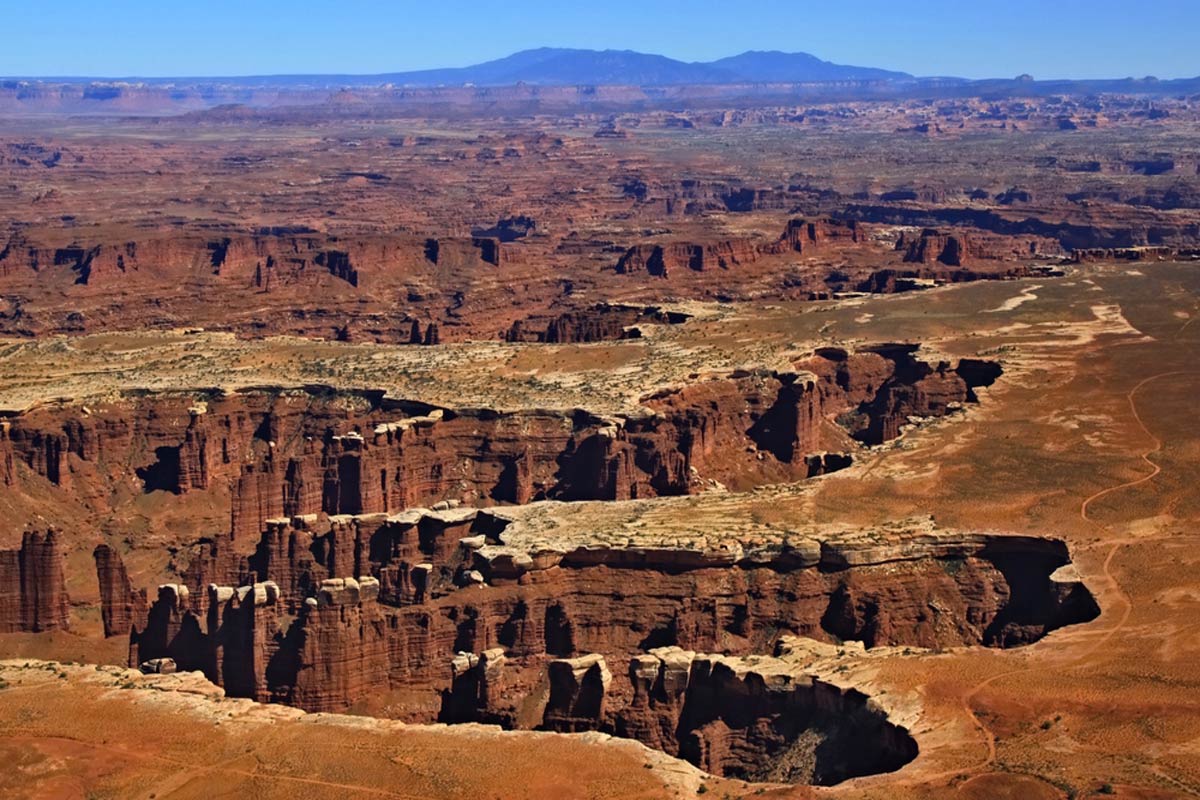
column 165, row 457
column 284, row 454
column 477, row 690
column 121, row 607
column 194, row 457
column 33, row 594
column 876, row 390
column 933, row 246
column 801, row 236
column 602, row 322
column 660, row 682
column 529, row 611
column 418, row 609
column 215, row 562
column 234, row 640
column 259, row 260
column 577, row 693
column 270, row 278
column 891, row 281
column 747, row 721
column 268, row 282
column 172, row 630
column 1088, row 255
column 343, row 655
column 596, row 325
column 455, row 252
column 662, row 259
column 8, row 469
column 244, row 630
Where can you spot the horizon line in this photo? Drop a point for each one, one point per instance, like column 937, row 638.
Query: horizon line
column 131, row 78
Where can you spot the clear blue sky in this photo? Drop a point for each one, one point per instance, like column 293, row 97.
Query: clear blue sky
column 969, row 38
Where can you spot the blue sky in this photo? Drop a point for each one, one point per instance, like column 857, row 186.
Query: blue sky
column 969, row 38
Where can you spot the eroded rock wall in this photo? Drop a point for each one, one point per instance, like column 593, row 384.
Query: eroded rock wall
column 8, row 467
column 799, row 236
column 757, row 721
column 431, row 590
column 265, row 261
column 603, row 322
column 122, row 608
column 279, row 453
column 33, row 595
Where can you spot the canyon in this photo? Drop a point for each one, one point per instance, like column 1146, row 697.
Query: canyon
column 333, row 588
column 288, row 452
column 418, row 562
column 510, row 629
column 407, row 289
column 639, row 441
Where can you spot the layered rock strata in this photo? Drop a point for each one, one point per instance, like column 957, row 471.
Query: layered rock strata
column 757, row 719
column 282, row 453
column 436, row 584
column 603, row 322
column 33, row 595
column 799, row 236
column 121, row 606
column 405, row 288
column 265, row 261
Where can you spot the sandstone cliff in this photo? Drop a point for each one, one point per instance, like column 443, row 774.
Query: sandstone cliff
column 758, row 720
column 436, row 584
column 283, row 453
column 603, row 322
column 33, row 594
column 121, row 607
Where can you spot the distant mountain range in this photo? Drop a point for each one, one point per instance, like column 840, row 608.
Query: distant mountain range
column 550, row 78
column 557, row 66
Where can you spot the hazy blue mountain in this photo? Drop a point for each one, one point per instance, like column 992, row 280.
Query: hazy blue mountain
column 774, row 66
column 549, row 65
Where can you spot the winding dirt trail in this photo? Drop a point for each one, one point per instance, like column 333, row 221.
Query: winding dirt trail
column 1155, row 469
column 1106, row 567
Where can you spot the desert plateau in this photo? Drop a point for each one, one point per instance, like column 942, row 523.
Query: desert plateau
column 593, row 424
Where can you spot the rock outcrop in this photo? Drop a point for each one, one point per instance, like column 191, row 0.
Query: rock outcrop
column 281, row 454
column 172, row 630
column 439, row 584
column 804, row 236
column 244, row 630
column 8, row 468
column 799, row 236
column 267, row 261
column 603, row 322
column 122, row 608
column 477, row 690
column 932, row 246
column 661, row 260
column 343, row 651
column 33, row 595
column 233, row 641
column 1146, row 253
column 577, row 693
column 755, row 719
column 263, row 281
